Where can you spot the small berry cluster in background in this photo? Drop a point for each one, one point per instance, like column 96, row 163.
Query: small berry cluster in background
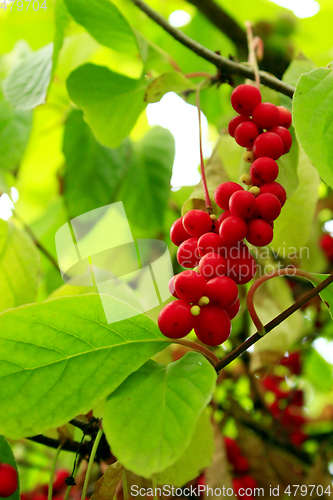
column 242, row 481
column 287, row 408
column 326, row 243
column 58, row 492
column 8, row 480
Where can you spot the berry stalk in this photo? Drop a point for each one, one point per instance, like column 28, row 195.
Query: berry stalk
column 202, row 164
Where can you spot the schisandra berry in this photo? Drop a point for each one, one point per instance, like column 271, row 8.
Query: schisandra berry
column 268, row 144
column 326, row 243
column 233, row 310
column 276, row 189
column 209, row 242
column 178, row 234
column 232, row 449
column 241, row 266
column 171, row 286
column 8, row 480
column 224, row 191
column 264, row 170
column 248, row 156
column 232, row 230
column 246, row 179
column 245, row 98
column 197, row 222
column 268, row 207
column 259, row 233
column 243, row 204
column 188, row 254
column 211, row 265
column 234, row 122
column 285, row 136
column 246, row 133
column 240, row 466
column 175, row 319
column 285, row 117
column 212, row 326
column 266, row 115
column 222, row 291
column 190, row 286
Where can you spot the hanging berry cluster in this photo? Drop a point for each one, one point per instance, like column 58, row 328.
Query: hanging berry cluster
column 243, row 483
column 212, row 250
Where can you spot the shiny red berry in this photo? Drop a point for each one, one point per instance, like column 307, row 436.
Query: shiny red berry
column 326, row 243
column 176, row 320
column 264, row 170
column 197, row 222
column 266, row 115
column 212, row 326
column 171, row 286
column 245, row 98
column 276, row 189
column 224, row 191
column 269, row 145
column 285, row 136
column 8, row 480
column 233, row 310
column 232, row 230
column 190, row 286
column 234, row 122
column 259, row 233
column 285, row 117
column 268, row 207
column 188, row 254
column 246, row 133
column 209, row 242
column 178, row 234
column 222, row 291
column 241, row 266
column 243, row 204
column 212, row 265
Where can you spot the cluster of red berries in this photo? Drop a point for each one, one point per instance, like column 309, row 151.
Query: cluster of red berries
column 41, row 492
column 263, row 129
column 243, row 483
column 8, row 480
column 287, row 408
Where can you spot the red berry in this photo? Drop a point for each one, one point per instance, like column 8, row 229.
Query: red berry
column 212, row 326
column 232, row 449
column 188, row 254
column 212, row 265
column 293, row 362
column 245, row 98
column 266, row 115
column 8, row 480
column 241, row 266
column 243, row 204
column 224, row 191
column 177, row 232
column 234, row 122
column 297, row 398
column 249, row 482
column 241, row 465
column 209, row 242
column 326, row 243
column 233, row 310
column 222, row 291
column 190, row 286
column 285, row 117
column 268, row 144
column 268, row 207
column 59, row 481
column 176, row 320
column 264, row 170
column 246, row 133
column 285, row 136
column 232, row 230
column 298, row 437
column 197, row 222
column 259, row 233
column 276, row 189
column 171, row 286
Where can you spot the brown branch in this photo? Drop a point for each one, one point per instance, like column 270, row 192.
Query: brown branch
column 226, row 66
column 273, row 324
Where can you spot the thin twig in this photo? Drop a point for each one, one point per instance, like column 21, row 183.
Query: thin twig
column 90, row 464
column 202, row 162
column 54, row 465
column 273, row 324
column 226, row 66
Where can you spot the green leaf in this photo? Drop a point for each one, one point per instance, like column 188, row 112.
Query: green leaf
column 19, row 267
column 296, row 68
column 111, row 102
column 26, row 86
column 318, row 371
column 61, row 22
column 288, row 165
column 197, row 456
column 59, row 358
column 172, row 81
column 326, row 294
column 313, row 119
column 15, row 128
column 103, row 20
column 150, row 419
column 7, row 457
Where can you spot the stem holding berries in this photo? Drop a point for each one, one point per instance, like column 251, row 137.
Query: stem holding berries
column 253, row 45
column 202, row 163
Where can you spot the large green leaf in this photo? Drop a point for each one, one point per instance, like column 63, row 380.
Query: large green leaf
column 150, row 419
column 19, row 267
column 15, row 127
column 296, row 68
column 111, row 102
column 59, row 358
column 105, row 23
column 313, row 119
column 197, row 456
column 318, row 371
column 62, row 19
column 7, row 457
column 26, row 86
